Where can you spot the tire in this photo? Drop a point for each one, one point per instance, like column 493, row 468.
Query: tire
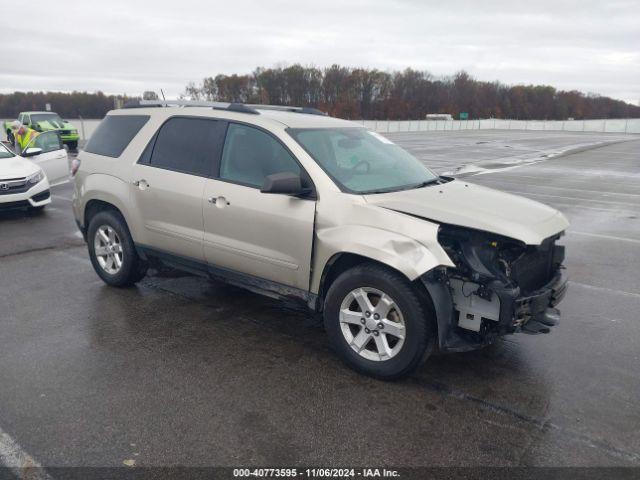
column 117, row 262
column 72, row 145
column 401, row 356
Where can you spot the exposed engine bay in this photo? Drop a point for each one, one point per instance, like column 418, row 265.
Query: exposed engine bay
column 498, row 286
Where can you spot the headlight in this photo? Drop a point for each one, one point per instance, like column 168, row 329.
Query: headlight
column 74, row 132
column 35, row 178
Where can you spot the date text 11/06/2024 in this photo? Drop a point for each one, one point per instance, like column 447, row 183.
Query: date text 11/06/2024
column 316, row 472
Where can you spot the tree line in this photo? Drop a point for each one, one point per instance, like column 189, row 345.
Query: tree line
column 67, row 105
column 355, row 93
column 359, row 93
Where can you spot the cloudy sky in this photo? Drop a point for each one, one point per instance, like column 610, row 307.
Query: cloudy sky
column 130, row 46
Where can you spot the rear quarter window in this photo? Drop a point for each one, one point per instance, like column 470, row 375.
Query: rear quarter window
column 114, row 133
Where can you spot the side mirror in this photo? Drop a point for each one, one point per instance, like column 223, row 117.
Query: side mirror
column 32, row 152
column 285, row 183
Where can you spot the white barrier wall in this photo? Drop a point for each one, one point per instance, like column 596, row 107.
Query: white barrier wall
column 632, row 125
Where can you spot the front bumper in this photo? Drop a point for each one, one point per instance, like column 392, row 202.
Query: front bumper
column 67, row 139
column 70, row 138
column 533, row 313
column 36, row 196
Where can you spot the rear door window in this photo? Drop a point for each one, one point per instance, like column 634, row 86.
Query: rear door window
column 187, row 145
column 114, row 134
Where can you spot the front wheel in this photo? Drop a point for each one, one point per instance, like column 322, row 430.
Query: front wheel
column 377, row 322
column 112, row 251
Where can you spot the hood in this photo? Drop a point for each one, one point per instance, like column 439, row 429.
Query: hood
column 16, row 167
column 46, row 125
column 467, row 205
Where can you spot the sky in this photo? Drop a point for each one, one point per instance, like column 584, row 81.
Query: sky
column 131, row 46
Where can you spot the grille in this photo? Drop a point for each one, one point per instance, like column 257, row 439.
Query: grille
column 9, row 187
column 65, row 132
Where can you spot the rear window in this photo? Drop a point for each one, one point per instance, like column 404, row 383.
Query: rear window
column 114, row 134
column 186, row 145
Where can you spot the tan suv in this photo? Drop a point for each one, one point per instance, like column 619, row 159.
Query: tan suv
column 295, row 204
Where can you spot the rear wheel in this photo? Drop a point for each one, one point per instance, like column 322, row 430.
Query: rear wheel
column 377, row 322
column 112, row 251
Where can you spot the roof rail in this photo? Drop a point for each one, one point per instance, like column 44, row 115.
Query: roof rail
column 239, row 107
column 286, row 108
column 232, row 106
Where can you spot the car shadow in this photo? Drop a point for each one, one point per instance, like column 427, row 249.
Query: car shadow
column 20, row 213
column 197, row 314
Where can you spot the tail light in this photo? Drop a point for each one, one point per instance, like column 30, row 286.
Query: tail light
column 75, row 165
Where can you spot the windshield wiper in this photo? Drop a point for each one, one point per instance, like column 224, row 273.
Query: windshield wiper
column 426, row 183
column 401, row 189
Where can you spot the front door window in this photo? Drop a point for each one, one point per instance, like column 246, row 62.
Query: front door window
column 250, row 155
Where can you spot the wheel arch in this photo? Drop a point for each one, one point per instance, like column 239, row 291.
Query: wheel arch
column 348, row 245
column 343, row 261
column 95, row 206
column 100, row 192
column 339, row 263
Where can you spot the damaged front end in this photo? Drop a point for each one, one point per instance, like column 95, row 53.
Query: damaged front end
column 498, row 286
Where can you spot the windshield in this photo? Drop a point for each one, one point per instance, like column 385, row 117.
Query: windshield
column 46, row 117
column 5, row 153
column 361, row 161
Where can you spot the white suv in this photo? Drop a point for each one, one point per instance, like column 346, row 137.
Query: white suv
column 295, row 204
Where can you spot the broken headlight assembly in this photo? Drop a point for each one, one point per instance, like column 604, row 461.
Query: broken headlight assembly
column 499, row 284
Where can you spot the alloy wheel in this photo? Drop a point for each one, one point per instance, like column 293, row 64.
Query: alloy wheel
column 108, row 249
column 372, row 324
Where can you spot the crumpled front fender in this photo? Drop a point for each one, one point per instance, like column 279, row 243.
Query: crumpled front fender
column 398, row 251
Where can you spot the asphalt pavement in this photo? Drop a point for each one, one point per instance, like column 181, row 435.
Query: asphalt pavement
column 185, row 371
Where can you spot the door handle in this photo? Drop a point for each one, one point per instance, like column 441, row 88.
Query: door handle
column 218, row 201
column 141, row 184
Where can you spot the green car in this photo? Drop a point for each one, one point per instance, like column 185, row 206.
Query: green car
column 45, row 122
